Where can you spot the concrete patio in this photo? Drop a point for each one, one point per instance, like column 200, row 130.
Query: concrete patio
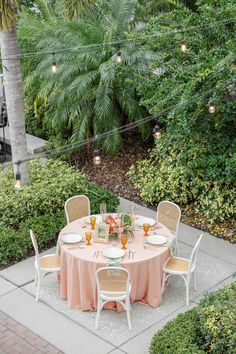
column 72, row 331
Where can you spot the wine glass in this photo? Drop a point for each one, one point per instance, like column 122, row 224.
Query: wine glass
column 103, row 209
column 88, row 236
column 146, row 228
column 92, row 222
column 124, row 239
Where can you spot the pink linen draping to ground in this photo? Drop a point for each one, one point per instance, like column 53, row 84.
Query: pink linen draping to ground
column 78, row 267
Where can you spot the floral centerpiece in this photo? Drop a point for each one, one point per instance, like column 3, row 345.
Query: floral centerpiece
column 114, row 223
column 118, row 224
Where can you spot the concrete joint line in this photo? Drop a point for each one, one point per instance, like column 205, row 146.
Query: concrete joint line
column 70, row 319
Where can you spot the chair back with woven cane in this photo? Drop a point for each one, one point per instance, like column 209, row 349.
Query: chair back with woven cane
column 193, row 258
column 35, row 245
column 169, row 214
column 113, row 281
column 77, row 207
column 113, row 284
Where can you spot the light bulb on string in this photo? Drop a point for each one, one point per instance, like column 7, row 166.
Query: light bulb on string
column 157, row 132
column 211, row 108
column 183, row 46
column 97, row 157
column 17, row 177
column 54, row 65
column 118, row 57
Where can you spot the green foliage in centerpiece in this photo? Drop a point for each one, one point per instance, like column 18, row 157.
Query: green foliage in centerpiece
column 127, row 223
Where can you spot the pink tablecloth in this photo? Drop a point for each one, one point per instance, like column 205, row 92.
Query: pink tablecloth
column 78, row 267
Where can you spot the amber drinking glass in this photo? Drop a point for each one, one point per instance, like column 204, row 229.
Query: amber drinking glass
column 88, row 236
column 92, row 222
column 146, row 228
column 124, row 239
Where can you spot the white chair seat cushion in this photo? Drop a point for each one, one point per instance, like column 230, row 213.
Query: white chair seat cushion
column 49, row 262
column 177, row 265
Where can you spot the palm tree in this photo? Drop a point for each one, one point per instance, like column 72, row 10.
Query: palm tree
column 13, row 84
column 90, row 93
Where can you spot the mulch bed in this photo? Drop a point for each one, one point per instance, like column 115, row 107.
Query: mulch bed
column 112, row 174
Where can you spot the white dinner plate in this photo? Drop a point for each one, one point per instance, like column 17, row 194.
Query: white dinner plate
column 144, row 220
column 98, row 219
column 113, row 253
column 156, row 240
column 71, row 238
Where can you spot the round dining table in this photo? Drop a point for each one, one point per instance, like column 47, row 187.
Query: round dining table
column 79, row 263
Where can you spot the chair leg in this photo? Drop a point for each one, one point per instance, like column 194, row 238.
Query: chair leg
column 187, row 291
column 99, row 309
column 176, row 248
column 195, row 279
column 128, row 314
column 163, row 283
column 36, row 277
column 38, row 287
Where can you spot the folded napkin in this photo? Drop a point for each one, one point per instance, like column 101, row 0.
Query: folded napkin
column 113, row 262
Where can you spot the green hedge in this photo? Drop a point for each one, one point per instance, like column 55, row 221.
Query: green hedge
column 40, row 206
column 207, row 328
column 16, row 244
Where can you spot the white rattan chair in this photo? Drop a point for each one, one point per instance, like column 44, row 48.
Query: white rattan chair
column 43, row 265
column 183, row 267
column 113, row 284
column 169, row 214
column 77, row 207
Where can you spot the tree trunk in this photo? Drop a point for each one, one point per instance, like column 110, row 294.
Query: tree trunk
column 14, row 99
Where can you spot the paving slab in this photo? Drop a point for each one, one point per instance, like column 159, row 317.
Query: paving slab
column 5, row 286
column 220, row 285
column 113, row 326
column 210, row 244
column 22, row 272
column 53, row 327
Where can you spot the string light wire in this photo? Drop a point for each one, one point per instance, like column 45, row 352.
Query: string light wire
column 94, row 47
column 124, row 128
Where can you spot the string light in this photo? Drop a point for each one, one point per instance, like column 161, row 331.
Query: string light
column 118, row 57
column 97, row 157
column 211, row 108
column 156, row 132
column 54, row 65
column 126, row 127
column 90, row 47
column 17, row 177
column 183, row 46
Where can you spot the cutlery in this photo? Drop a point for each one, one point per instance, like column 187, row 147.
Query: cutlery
column 82, row 224
column 129, row 253
column 97, row 254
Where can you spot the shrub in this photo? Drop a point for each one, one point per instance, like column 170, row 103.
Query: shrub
column 189, row 176
column 16, row 244
column 179, row 336
column 217, row 315
column 48, row 188
column 207, row 328
column 40, row 206
column 45, row 227
column 12, row 246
